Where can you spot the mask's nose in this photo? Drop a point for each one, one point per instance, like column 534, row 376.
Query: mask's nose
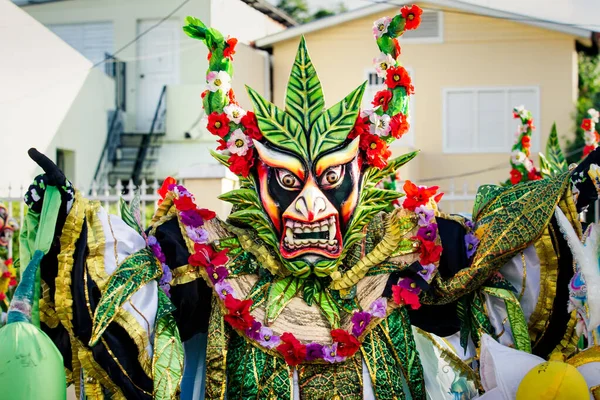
column 311, row 203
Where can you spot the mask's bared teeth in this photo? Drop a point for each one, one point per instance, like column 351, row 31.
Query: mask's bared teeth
column 332, row 230
column 289, row 235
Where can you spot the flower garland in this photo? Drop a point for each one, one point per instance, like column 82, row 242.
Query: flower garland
column 8, row 279
column 523, row 169
column 592, row 138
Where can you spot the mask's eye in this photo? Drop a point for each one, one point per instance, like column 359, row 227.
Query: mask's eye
column 288, row 180
column 332, row 177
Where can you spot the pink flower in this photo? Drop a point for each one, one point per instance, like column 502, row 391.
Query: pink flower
column 223, row 289
column 360, row 320
column 379, row 308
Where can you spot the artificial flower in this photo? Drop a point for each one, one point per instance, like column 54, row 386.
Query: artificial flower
column 417, row 195
column 367, row 112
column 360, row 320
column 238, row 315
column 586, row 124
column 377, row 152
column 254, row 331
column 430, row 252
column 412, row 15
column 525, row 141
column 191, row 218
column 427, row 271
column 397, row 49
column 13, row 282
column 588, row 149
column 594, row 115
column 378, row 308
column 590, row 137
column 218, row 124
column 361, row 127
column 6, row 274
column 184, row 203
column 399, row 125
column 399, row 77
column 165, row 187
column 291, row 349
column 381, row 26
column 205, row 256
column 530, row 123
column 223, row 289
column 471, row 243
column 218, row 80
column 250, row 125
column 518, row 157
column 534, row 175
column 347, row 344
column 2, row 296
column 231, row 97
column 234, row 112
column 238, row 143
column 314, row 351
column 382, row 63
column 405, row 297
column 516, row 176
column 382, row 98
column 198, row 235
column 519, row 112
column 217, row 274
column 528, row 164
column 167, row 275
column 425, row 215
column 203, row 94
column 229, row 49
column 521, row 129
column 428, row 232
column 240, row 165
column 222, row 144
column 380, row 124
column 410, row 285
column 331, row 353
column 267, row 339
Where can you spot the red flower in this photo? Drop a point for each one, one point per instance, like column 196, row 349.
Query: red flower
column 430, row 252
column 516, row 176
column 222, row 144
column 203, row 94
column 231, row 97
column 586, row 124
column 405, row 297
column 206, row 214
column 347, row 344
column 597, row 136
column 6, row 274
column 240, row 165
column 239, row 312
column 13, row 282
column 417, row 196
column 412, row 15
column 382, row 98
column 250, row 124
column 588, row 149
column 530, row 123
column 525, row 141
column 229, row 50
column 534, row 175
column 2, row 296
column 205, row 256
column 164, row 189
column 218, row 124
column 184, row 203
column 399, row 125
column 398, row 77
column 209, row 56
column 292, row 350
column 397, row 48
column 377, row 152
column 361, row 127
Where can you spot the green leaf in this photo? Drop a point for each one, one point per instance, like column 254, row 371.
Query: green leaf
column 136, row 271
column 304, row 97
column 399, row 103
column 374, row 175
column 258, row 220
column 127, row 215
column 329, row 308
column 223, row 159
column 247, row 197
column 278, row 127
column 396, row 26
column 189, row 20
column 311, row 288
column 556, row 158
column 280, row 294
column 214, row 102
column 260, row 290
column 332, row 127
column 545, row 167
column 167, row 363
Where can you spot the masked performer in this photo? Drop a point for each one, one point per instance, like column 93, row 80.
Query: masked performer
column 308, row 289
column 8, row 274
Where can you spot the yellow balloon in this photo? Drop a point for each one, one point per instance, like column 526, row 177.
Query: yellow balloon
column 553, row 380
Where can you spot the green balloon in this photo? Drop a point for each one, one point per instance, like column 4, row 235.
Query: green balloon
column 31, row 367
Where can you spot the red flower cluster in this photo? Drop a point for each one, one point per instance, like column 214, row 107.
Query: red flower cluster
column 250, row 125
column 399, row 125
column 430, row 252
column 399, row 77
column 238, row 313
column 291, row 349
column 229, row 50
column 412, row 15
column 382, row 98
column 375, row 149
column 205, row 256
column 240, row 165
column 347, row 344
column 361, row 127
column 405, row 297
column 418, row 196
column 165, row 187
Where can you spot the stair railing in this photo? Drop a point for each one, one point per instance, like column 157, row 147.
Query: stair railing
column 113, row 138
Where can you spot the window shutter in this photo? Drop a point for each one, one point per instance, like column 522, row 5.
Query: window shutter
column 430, row 28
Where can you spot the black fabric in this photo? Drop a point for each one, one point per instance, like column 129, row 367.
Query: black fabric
column 587, row 190
column 559, row 319
column 115, row 339
column 192, row 300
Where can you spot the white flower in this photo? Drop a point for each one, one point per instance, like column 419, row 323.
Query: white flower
column 528, row 164
column 518, row 157
column 520, row 110
column 381, row 26
column 218, row 80
column 368, row 112
column 235, row 113
column 382, row 63
column 594, row 115
column 590, row 137
column 238, row 143
column 380, row 124
column 523, row 128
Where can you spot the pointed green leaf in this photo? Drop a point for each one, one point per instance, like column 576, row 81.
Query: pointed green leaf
column 332, row 127
column 221, row 158
column 280, row 294
column 311, row 288
column 277, row 127
column 247, row 197
column 545, row 167
column 329, row 308
column 555, row 156
column 258, row 293
column 304, row 97
column 127, row 215
column 396, row 26
column 257, row 219
column 374, row 175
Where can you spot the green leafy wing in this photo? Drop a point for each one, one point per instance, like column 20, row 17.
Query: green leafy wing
column 280, row 294
column 277, row 127
column 554, row 153
column 332, row 127
column 304, row 97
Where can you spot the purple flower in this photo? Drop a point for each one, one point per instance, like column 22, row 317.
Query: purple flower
column 360, row 320
column 314, row 351
column 167, row 275
column 267, row 339
column 330, row 354
column 191, row 218
column 379, row 307
column 427, row 271
column 254, row 331
column 217, row 274
column 198, row 235
column 152, row 241
column 469, row 224
column 428, row 232
column 166, row 288
column 182, row 191
column 471, row 243
column 410, row 285
column 223, row 289
column 425, row 215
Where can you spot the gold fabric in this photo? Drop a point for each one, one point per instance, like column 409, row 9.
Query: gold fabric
column 216, row 354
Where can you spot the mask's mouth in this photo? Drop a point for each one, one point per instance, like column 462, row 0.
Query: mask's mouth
column 322, row 237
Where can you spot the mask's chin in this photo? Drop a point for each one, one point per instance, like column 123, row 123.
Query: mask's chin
column 312, row 240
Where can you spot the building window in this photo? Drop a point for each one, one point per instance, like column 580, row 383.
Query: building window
column 93, row 40
column 65, row 161
column 374, row 85
column 480, row 119
column 431, row 29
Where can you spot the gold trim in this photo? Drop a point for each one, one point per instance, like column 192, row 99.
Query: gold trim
column 47, row 308
column 139, row 337
column 587, row 356
column 95, row 259
column 595, row 390
column 524, row 281
column 185, row 274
